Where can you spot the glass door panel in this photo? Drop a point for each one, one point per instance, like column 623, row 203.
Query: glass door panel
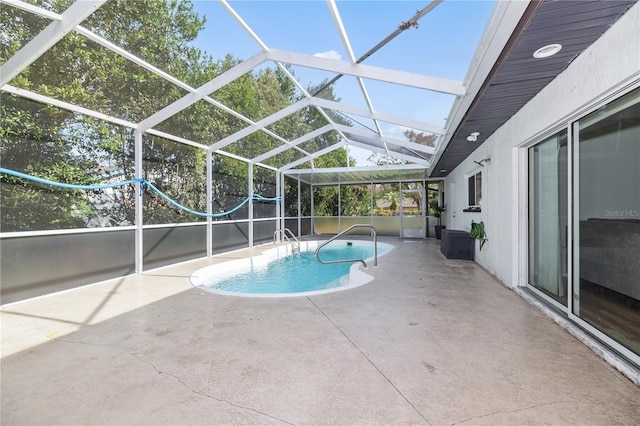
column 548, row 217
column 412, row 219
column 606, row 291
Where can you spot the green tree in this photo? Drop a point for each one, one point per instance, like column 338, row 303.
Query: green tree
column 389, row 196
column 31, row 142
column 393, row 198
column 355, row 200
column 48, row 142
column 76, row 149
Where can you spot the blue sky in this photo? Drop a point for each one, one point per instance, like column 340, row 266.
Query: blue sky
column 442, row 46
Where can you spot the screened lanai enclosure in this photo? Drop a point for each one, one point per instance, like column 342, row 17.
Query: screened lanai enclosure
column 141, row 134
column 129, row 142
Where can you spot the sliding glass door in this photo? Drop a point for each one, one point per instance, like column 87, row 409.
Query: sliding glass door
column 584, row 222
column 606, row 220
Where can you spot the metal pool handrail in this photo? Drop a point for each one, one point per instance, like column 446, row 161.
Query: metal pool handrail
column 357, row 225
column 295, row 245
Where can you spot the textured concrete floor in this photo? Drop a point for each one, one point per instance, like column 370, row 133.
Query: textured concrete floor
column 429, row 341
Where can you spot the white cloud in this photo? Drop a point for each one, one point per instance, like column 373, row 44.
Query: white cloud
column 331, row 54
column 394, row 131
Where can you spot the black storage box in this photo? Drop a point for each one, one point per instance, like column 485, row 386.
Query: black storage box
column 457, row 245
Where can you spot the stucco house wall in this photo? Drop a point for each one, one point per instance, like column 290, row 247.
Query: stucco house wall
column 611, row 63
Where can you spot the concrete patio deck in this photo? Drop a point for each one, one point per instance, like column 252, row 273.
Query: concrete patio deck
column 430, row 341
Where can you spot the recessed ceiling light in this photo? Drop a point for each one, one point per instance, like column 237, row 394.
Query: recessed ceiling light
column 546, row 51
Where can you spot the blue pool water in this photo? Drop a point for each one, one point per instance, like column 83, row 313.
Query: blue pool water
column 300, row 272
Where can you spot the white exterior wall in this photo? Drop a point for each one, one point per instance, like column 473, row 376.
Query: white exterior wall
column 612, row 62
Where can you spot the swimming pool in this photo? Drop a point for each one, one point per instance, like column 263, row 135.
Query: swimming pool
column 278, row 272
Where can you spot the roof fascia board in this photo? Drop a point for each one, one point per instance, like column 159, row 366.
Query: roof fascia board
column 392, row 141
column 367, row 71
column 294, row 142
column 261, row 124
column 47, row 38
column 390, row 118
column 207, row 88
column 503, row 22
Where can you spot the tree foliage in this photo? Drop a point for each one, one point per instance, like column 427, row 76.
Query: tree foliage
column 329, row 200
column 427, row 139
column 52, row 143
